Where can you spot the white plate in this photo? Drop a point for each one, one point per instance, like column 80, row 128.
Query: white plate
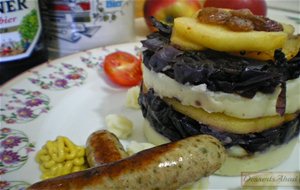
column 72, row 97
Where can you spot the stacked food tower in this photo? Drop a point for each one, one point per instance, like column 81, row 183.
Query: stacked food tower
column 229, row 74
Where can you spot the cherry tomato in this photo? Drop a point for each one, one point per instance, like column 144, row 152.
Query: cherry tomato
column 257, row 7
column 123, row 68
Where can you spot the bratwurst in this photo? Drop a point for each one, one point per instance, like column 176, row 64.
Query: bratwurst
column 103, row 147
column 168, row 166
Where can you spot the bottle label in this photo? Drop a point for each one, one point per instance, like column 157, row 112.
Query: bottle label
column 77, row 25
column 20, row 28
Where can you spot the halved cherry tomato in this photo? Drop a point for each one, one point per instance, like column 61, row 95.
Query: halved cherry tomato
column 123, row 68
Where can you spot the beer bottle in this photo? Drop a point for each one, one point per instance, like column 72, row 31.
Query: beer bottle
column 21, row 37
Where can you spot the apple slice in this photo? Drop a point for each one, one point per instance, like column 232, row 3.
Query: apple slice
column 290, row 49
column 288, row 28
column 228, row 123
column 219, row 38
column 183, row 43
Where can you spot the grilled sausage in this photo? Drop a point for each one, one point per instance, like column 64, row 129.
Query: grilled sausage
column 103, row 147
column 168, row 166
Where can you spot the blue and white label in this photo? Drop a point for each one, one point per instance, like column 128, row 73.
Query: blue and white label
column 76, row 25
column 113, row 3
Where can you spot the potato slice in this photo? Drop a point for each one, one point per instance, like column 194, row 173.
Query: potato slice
column 290, row 49
column 228, row 123
column 222, row 39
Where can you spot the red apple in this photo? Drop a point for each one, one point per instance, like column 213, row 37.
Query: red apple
column 257, row 7
column 163, row 10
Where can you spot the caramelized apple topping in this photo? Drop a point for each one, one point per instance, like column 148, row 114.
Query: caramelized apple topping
column 238, row 20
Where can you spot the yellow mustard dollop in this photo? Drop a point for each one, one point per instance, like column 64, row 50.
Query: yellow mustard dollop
column 60, row 157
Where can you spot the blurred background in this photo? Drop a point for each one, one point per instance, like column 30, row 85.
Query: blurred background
column 286, row 5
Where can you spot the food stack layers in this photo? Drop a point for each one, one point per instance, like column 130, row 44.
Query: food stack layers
column 229, row 74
